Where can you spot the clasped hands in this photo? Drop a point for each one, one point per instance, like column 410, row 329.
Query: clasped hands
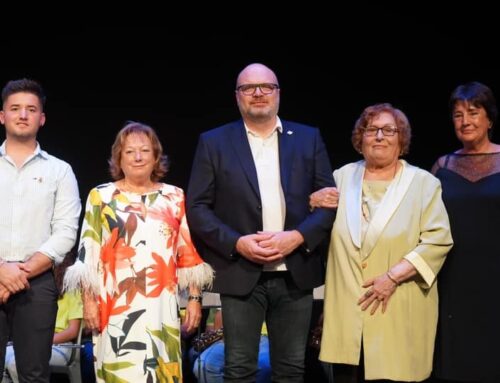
column 13, row 278
column 266, row 247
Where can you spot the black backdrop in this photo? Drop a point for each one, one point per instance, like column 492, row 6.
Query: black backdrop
column 180, row 79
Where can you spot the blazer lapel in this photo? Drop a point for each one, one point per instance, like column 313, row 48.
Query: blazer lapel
column 239, row 140
column 353, row 203
column 286, row 141
column 392, row 198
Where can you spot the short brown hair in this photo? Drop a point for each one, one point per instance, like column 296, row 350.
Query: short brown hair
column 24, row 85
column 161, row 160
column 402, row 123
column 478, row 95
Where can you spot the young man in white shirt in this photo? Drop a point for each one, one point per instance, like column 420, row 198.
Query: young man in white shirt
column 39, row 212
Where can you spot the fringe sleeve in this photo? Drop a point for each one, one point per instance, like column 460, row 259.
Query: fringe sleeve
column 191, row 270
column 201, row 276
column 79, row 277
column 84, row 275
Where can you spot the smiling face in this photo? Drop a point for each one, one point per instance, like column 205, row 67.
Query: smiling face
column 380, row 150
column 22, row 115
column 137, row 157
column 257, row 107
column 471, row 124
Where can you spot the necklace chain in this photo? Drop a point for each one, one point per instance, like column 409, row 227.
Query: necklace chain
column 134, row 189
column 366, row 201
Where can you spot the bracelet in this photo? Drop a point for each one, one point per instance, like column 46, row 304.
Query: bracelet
column 196, row 298
column 392, row 277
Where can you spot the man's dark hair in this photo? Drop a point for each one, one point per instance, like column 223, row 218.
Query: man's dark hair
column 24, row 85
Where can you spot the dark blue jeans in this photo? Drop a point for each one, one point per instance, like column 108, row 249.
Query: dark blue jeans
column 287, row 312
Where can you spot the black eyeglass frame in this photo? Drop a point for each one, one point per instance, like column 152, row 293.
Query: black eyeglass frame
column 245, row 88
column 387, row 131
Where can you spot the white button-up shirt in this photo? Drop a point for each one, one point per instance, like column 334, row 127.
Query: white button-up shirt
column 39, row 207
column 265, row 152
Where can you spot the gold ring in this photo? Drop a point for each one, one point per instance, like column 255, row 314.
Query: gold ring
column 369, row 293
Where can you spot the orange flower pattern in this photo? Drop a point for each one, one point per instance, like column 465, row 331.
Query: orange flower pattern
column 136, row 244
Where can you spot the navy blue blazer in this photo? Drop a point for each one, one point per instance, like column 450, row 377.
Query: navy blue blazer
column 223, row 203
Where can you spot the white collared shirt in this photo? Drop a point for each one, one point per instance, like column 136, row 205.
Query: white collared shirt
column 39, row 207
column 265, row 152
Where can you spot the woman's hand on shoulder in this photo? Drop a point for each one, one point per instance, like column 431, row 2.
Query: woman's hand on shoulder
column 325, row 198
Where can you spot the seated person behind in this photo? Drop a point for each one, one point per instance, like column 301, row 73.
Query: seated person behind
column 208, row 367
column 69, row 315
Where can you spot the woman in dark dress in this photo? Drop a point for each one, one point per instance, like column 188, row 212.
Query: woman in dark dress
column 469, row 315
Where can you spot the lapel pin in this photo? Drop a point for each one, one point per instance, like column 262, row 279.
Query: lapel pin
column 289, row 132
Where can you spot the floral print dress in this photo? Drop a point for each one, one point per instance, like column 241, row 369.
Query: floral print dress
column 135, row 252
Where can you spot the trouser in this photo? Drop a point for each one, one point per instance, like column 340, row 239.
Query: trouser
column 208, row 367
column 287, row 312
column 28, row 319
column 59, row 357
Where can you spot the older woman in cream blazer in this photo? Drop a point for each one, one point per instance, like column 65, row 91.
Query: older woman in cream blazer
column 388, row 243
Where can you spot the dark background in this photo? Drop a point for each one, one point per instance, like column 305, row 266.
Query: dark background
column 178, row 75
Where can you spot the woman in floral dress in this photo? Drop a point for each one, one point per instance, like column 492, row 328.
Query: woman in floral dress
column 135, row 253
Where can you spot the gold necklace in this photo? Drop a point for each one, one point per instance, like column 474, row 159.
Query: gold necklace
column 125, row 186
column 395, row 171
column 365, row 200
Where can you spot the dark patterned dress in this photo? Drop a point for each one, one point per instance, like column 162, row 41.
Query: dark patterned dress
column 469, row 282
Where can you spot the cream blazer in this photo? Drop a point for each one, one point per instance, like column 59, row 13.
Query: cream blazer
column 411, row 222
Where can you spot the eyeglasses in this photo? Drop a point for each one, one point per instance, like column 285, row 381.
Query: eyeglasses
column 387, row 130
column 265, row 88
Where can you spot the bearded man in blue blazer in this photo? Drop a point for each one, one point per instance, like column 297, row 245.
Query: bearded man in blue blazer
column 248, row 207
